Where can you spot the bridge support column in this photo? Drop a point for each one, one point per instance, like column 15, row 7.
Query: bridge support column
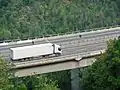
column 75, row 79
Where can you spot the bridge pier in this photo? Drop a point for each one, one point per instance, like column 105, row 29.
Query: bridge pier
column 75, row 79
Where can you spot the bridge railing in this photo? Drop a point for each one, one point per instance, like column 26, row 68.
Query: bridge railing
column 37, row 39
column 88, row 41
column 59, row 34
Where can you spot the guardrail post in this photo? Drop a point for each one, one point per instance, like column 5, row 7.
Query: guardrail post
column 75, row 80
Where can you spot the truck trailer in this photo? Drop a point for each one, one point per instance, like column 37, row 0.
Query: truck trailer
column 25, row 52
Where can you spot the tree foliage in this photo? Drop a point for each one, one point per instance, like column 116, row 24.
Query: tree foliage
column 5, row 83
column 104, row 74
column 30, row 18
column 63, row 78
column 9, row 82
column 35, row 83
column 4, row 34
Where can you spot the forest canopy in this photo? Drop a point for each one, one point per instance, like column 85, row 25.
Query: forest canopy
column 30, row 18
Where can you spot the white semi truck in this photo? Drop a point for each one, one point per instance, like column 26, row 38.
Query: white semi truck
column 25, row 52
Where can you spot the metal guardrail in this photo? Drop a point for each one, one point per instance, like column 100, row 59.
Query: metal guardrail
column 29, row 41
column 65, row 36
column 74, row 32
column 60, row 34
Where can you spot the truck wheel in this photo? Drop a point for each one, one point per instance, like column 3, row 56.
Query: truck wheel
column 43, row 56
column 57, row 54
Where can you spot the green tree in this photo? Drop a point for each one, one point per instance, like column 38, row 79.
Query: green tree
column 35, row 83
column 9, row 82
column 19, row 87
column 104, row 74
column 22, row 87
column 5, row 34
column 30, row 18
column 63, row 79
column 42, row 83
column 4, row 75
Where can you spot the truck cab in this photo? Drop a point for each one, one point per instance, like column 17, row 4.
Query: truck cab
column 57, row 49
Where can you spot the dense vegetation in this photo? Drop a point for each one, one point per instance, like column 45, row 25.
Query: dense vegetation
column 9, row 82
column 104, row 74
column 29, row 18
column 63, row 79
column 51, row 81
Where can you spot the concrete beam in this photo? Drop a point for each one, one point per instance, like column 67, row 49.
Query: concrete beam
column 53, row 67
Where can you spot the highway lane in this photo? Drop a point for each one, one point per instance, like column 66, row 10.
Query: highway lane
column 73, row 44
column 72, row 48
column 82, row 41
column 64, row 38
column 69, row 40
column 81, row 47
column 87, row 48
column 81, row 54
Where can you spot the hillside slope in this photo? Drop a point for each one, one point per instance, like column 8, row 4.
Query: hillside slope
column 28, row 18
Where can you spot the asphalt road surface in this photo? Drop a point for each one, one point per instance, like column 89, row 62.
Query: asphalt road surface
column 71, row 44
